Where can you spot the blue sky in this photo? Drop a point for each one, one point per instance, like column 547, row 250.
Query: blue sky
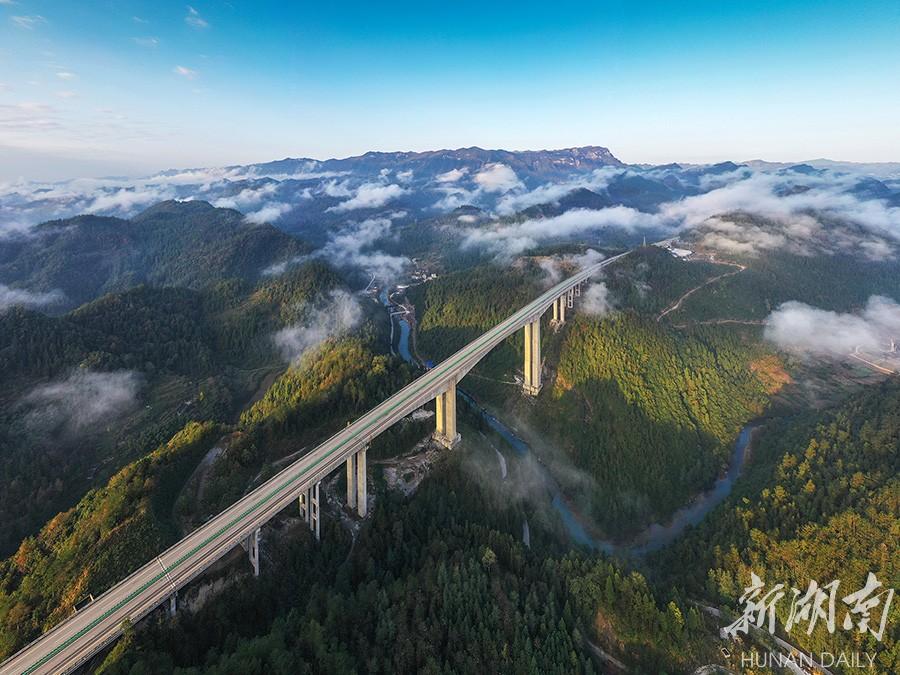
column 90, row 88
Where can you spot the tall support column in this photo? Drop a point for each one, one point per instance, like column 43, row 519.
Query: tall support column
column 357, row 488
column 445, row 412
column 559, row 311
column 304, row 505
column 253, row 550
column 362, row 495
column 570, row 298
column 352, row 486
column 314, row 511
column 440, row 417
column 578, row 290
column 173, row 604
column 533, row 357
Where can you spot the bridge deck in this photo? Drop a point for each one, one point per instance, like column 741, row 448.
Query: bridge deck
column 76, row 639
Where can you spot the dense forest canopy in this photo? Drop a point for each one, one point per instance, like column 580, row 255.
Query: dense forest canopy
column 188, row 244
column 437, row 583
column 820, row 484
column 117, row 528
column 176, row 313
column 86, row 392
column 658, row 411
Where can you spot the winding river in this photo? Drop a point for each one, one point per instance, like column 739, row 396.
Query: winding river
column 654, row 537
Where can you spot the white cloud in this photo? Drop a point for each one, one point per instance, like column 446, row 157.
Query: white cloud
column 25, row 203
column 497, row 178
column 12, row 228
column 146, row 41
column 28, row 22
column 555, row 268
column 66, row 75
column 511, row 239
column 451, row 176
column 798, row 234
column 246, row 198
column 29, row 116
column 551, row 193
column 595, row 300
column 370, row 196
column 127, row 200
column 10, row 297
column 454, row 197
column 189, row 73
column 500, row 182
column 82, row 400
column 798, row 327
column 354, row 245
column 334, row 188
column 774, row 196
column 340, row 314
column 794, row 204
column 67, row 94
column 280, row 267
column 269, row 212
column 194, row 19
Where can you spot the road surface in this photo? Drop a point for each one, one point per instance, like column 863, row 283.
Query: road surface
column 75, row 640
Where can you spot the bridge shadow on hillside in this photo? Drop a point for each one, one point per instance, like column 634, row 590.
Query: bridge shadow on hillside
column 641, row 469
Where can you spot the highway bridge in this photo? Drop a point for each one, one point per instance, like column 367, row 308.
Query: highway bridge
column 72, row 642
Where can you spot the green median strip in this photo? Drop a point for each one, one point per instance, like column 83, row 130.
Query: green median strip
column 436, row 374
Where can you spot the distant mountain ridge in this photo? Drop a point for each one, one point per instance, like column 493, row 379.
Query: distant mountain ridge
column 526, row 163
column 882, row 169
column 173, row 243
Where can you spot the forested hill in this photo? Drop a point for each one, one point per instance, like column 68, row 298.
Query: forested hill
column 819, row 502
column 187, row 244
column 837, row 269
column 119, row 526
column 435, row 583
column 83, row 393
column 657, row 411
column 646, row 413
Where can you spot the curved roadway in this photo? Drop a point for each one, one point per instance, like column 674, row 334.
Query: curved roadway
column 78, row 638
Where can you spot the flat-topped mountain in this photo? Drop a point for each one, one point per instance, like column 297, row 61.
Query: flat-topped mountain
column 528, row 164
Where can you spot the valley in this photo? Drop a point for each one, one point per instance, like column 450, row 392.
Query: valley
column 693, row 424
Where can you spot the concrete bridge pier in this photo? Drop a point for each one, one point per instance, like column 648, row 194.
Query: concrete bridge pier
column 173, row 604
column 570, row 298
column 357, row 492
column 533, row 356
column 445, row 413
column 351, row 481
column 253, row 550
column 578, row 290
column 309, row 509
column 559, row 311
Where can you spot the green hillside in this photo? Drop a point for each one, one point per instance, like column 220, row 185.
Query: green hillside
column 833, row 271
column 187, row 244
column 186, row 354
column 439, row 582
column 820, row 501
column 657, row 411
column 116, row 528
